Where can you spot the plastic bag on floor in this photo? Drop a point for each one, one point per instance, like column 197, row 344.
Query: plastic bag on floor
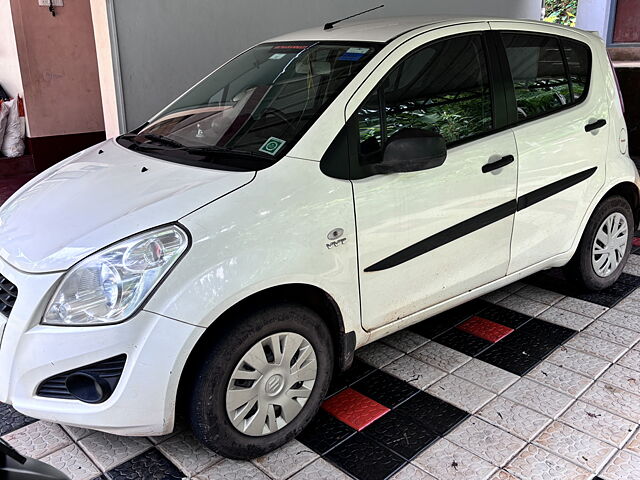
column 12, row 144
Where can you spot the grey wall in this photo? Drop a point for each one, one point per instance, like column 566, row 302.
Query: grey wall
column 165, row 46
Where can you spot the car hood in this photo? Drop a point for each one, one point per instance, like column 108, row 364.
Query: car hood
column 100, row 196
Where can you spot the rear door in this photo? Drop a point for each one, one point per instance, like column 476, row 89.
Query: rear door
column 430, row 235
column 560, row 121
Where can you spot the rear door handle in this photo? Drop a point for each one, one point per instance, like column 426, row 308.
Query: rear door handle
column 595, row 125
column 506, row 160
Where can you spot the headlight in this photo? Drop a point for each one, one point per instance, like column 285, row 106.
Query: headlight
column 108, row 286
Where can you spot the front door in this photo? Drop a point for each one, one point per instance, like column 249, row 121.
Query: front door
column 427, row 236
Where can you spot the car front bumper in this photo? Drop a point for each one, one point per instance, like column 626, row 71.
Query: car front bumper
column 143, row 403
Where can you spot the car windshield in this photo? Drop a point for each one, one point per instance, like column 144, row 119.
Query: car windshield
column 247, row 114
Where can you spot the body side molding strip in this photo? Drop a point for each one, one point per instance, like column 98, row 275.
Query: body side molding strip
column 540, row 194
column 479, row 221
column 445, row 236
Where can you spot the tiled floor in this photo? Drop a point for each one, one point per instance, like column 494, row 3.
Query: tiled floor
column 535, row 381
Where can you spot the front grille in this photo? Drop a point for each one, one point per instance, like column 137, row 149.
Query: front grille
column 110, row 370
column 8, row 295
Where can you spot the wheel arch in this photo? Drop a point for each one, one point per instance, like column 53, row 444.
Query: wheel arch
column 303, row 294
column 628, row 191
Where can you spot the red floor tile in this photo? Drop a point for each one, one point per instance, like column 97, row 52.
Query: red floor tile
column 483, row 328
column 354, row 409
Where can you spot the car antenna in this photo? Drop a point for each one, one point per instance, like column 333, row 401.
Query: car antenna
column 329, row 26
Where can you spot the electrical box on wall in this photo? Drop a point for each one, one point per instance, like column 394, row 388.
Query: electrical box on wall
column 51, row 3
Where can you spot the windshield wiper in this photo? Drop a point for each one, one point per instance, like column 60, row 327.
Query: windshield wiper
column 232, row 151
column 162, row 140
column 154, row 138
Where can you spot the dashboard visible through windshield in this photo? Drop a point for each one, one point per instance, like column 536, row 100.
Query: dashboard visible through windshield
column 247, row 114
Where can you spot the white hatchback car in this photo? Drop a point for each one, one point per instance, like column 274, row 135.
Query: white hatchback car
column 316, row 193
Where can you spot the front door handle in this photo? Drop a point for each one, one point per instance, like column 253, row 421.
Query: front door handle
column 506, row 160
column 595, row 125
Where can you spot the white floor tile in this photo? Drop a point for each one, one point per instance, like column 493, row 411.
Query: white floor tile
column 286, row 460
column 565, row 318
column 623, row 466
column 515, row 418
column 599, row 423
column 378, row 354
column 587, row 309
column 575, row 446
column 447, row 461
column 613, row 333
column 542, row 399
column 38, row 439
column 559, row 378
column 486, row 375
column 578, row 362
column 415, row 372
column 108, row 451
column 596, row 346
column 487, row 441
column 614, row 400
column 72, row 462
column 534, row 463
column 461, row 393
column 441, row 357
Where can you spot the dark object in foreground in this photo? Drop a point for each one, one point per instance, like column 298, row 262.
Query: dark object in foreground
column 14, row 466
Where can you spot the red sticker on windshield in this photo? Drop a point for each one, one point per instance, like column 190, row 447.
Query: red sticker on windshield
column 288, row 48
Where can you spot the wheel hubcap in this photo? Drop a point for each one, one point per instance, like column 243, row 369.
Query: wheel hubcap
column 271, row 384
column 610, row 244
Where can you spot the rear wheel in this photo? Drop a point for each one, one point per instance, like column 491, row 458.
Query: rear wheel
column 262, row 381
column 605, row 245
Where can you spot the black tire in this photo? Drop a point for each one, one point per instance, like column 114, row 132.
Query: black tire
column 581, row 268
column 207, row 408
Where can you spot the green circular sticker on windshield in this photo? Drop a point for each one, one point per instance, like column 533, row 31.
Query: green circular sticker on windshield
column 272, row 145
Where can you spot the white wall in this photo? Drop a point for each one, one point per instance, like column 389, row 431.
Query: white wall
column 105, row 57
column 10, row 77
column 593, row 15
column 167, row 45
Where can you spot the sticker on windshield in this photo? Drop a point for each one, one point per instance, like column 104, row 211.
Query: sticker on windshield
column 351, row 57
column 358, row 50
column 272, row 145
column 277, row 56
column 289, row 48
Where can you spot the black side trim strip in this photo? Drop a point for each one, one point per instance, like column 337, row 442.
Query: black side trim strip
column 456, row 231
column 556, row 187
column 479, row 221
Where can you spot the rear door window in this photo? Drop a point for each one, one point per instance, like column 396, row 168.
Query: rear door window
column 548, row 72
column 537, row 70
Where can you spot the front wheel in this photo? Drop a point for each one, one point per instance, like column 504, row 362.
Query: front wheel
column 605, row 245
column 262, row 382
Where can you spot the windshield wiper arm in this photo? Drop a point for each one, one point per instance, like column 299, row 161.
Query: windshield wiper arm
column 154, row 138
column 162, row 139
column 215, row 149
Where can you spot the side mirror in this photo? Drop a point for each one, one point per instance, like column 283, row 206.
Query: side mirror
column 412, row 150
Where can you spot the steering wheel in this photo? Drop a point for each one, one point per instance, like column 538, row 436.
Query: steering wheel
column 277, row 113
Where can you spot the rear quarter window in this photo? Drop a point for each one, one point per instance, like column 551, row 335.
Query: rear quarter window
column 578, row 57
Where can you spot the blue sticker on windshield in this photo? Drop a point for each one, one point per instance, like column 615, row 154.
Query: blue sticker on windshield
column 351, row 57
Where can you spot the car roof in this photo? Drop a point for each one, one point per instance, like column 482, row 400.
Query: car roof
column 383, row 29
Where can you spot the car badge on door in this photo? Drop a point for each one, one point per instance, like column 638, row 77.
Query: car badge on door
column 335, row 237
